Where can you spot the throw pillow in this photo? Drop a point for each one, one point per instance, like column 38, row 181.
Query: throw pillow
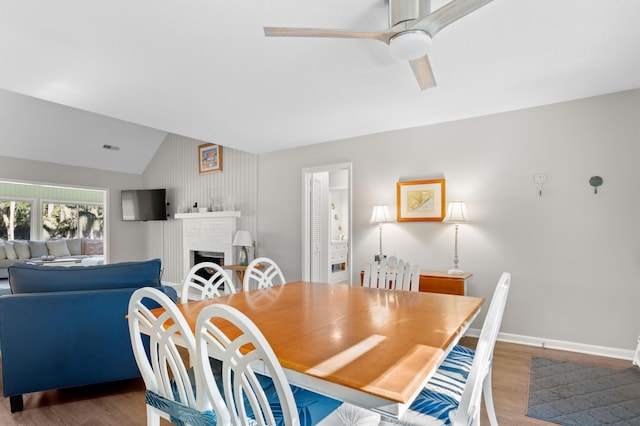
column 22, row 249
column 11, row 252
column 3, row 254
column 38, row 249
column 75, row 246
column 92, row 247
column 58, row 248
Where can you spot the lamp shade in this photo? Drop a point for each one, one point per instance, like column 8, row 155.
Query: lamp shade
column 456, row 213
column 243, row 239
column 380, row 214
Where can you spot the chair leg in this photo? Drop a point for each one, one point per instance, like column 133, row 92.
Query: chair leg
column 488, row 398
column 16, row 403
column 153, row 419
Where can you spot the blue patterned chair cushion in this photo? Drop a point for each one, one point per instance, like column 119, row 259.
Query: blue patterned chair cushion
column 438, row 402
column 180, row 414
column 312, row 407
column 463, row 350
column 431, row 408
column 453, row 373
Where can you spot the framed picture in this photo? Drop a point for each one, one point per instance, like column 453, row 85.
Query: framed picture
column 210, row 158
column 421, row 200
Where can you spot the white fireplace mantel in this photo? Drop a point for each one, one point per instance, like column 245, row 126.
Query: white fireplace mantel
column 207, row 215
column 210, row 231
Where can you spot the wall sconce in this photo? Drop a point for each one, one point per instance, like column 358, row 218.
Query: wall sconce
column 595, row 181
column 456, row 214
column 540, row 179
column 380, row 215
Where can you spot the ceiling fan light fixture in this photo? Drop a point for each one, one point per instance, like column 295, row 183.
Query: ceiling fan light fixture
column 409, row 45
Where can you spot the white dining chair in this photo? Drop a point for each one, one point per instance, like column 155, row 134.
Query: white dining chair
column 173, row 391
column 370, row 271
column 453, row 395
column 379, row 275
column 197, row 287
column 392, row 273
column 262, row 272
column 406, row 277
column 264, row 398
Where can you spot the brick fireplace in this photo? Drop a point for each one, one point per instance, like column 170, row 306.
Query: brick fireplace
column 207, row 232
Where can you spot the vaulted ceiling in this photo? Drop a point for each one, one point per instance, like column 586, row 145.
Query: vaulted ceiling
column 79, row 74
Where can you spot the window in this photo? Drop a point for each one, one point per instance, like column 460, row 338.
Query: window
column 16, row 220
column 69, row 220
column 41, row 212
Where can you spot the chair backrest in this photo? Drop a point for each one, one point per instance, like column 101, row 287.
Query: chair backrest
column 407, row 277
column 196, row 287
column 262, row 273
column 226, row 334
column 163, row 369
column 392, row 273
column 370, row 276
column 378, row 275
column 469, row 407
column 387, row 272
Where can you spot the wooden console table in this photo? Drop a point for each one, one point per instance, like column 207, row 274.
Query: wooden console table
column 443, row 282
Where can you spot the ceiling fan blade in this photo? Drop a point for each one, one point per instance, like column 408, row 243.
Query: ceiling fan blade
column 382, row 35
column 422, row 70
column 447, row 14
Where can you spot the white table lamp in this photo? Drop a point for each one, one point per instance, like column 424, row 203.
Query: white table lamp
column 380, row 215
column 456, row 214
column 243, row 239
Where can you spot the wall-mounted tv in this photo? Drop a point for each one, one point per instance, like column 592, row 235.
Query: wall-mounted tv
column 144, row 204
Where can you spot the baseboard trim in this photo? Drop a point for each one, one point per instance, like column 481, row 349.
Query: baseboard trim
column 562, row 345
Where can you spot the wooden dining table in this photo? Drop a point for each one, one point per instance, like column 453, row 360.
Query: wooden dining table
column 374, row 348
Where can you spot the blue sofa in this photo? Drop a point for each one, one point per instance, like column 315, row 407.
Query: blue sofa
column 67, row 326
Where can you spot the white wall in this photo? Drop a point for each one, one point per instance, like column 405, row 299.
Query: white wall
column 175, row 167
column 574, row 255
column 126, row 240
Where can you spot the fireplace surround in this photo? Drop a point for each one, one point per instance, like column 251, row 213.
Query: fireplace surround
column 210, row 232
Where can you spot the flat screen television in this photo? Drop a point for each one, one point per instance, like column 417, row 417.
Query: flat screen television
column 144, row 204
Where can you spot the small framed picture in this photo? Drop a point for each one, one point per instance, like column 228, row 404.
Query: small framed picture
column 210, row 158
column 421, row 200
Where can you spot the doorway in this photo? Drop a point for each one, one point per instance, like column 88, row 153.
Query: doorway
column 326, row 242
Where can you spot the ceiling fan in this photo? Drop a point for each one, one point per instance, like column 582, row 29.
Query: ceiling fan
column 412, row 25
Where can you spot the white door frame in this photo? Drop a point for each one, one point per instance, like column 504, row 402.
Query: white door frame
column 307, row 173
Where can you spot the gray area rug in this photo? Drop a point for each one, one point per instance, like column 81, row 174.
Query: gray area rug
column 575, row 394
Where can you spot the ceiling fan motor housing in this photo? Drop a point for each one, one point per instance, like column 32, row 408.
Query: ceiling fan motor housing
column 410, row 45
column 407, row 10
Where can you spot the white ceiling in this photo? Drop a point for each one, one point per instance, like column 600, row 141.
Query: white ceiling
column 204, row 69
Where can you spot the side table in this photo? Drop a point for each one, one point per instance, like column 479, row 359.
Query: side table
column 240, row 270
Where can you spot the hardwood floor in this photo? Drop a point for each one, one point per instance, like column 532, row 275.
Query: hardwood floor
column 511, row 378
column 122, row 403
column 109, row 404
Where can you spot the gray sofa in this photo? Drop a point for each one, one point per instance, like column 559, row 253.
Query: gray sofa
column 21, row 251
